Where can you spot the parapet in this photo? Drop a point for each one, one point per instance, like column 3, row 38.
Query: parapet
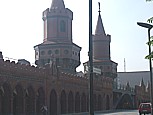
column 55, row 12
column 16, row 69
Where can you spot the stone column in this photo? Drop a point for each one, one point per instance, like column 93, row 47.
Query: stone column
column 24, row 104
column 58, row 104
column 35, row 104
column 11, row 102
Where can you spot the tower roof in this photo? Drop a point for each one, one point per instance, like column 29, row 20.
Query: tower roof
column 99, row 28
column 142, row 83
column 57, row 4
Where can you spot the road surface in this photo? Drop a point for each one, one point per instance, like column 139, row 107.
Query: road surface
column 126, row 112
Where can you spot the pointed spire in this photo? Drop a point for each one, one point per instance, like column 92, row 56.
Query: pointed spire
column 142, row 82
column 99, row 7
column 57, row 4
column 99, row 28
column 148, row 86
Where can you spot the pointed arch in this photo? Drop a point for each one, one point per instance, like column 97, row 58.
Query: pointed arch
column 125, row 102
column 53, row 102
column 40, row 101
column 95, row 102
column 77, row 102
column 88, row 103
column 83, row 103
column 99, row 103
column 30, row 101
column 1, row 93
column 70, row 102
column 6, row 99
column 63, row 102
column 107, row 103
column 18, row 100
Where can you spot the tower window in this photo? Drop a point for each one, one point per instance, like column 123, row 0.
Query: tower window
column 76, row 53
column 62, row 26
column 42, row 52
column 42, row 61
column 49, row 52
column 66, row 51
column 56, row 51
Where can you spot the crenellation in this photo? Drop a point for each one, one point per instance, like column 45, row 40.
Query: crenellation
column 13, row 62
column 55, row 12
column 74, row 78
column 13, row 68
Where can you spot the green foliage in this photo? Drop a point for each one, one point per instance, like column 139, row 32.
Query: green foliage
column 151, row 41
column 150, row 56
column 150, row 20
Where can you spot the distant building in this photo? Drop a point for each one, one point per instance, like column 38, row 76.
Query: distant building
column 134, row 78
column 139, row 81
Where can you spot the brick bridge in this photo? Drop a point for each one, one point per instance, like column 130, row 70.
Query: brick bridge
column 123, row 97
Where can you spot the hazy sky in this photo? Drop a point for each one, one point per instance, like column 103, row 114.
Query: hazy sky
column 21, row 28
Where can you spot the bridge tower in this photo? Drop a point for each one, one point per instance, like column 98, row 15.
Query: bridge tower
column 58, row 46
column 101, row 50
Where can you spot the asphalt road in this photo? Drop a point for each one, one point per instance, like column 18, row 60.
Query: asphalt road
column 112, row 112
column 127, row 112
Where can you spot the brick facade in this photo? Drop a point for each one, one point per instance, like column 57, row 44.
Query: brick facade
column 26, row 89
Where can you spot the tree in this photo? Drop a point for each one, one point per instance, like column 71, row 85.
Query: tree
column 150, row 56
column 150, row 20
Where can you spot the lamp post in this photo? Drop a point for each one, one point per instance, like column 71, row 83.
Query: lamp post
column 90, row 53
column 149, row 26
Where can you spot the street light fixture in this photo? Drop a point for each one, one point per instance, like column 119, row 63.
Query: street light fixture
column 90, row 53
column 149, row 26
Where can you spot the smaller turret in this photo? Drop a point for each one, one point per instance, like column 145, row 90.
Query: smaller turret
column 1, row 56
column 100, row 28
column 101, row 50
column 142, row 83
column 101, row 41
column 148, row 86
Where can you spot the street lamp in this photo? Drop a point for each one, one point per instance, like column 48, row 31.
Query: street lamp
column 149, row 26
column 91, row 107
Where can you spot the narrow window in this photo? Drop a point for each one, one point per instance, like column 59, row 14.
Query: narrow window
column 62, row 26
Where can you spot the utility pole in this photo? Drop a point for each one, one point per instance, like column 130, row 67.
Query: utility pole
column 91, row 107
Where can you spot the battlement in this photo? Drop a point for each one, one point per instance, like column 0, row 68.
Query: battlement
column 73, row 76
column 57, row 12
column 16, row 69
column 100, row 82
